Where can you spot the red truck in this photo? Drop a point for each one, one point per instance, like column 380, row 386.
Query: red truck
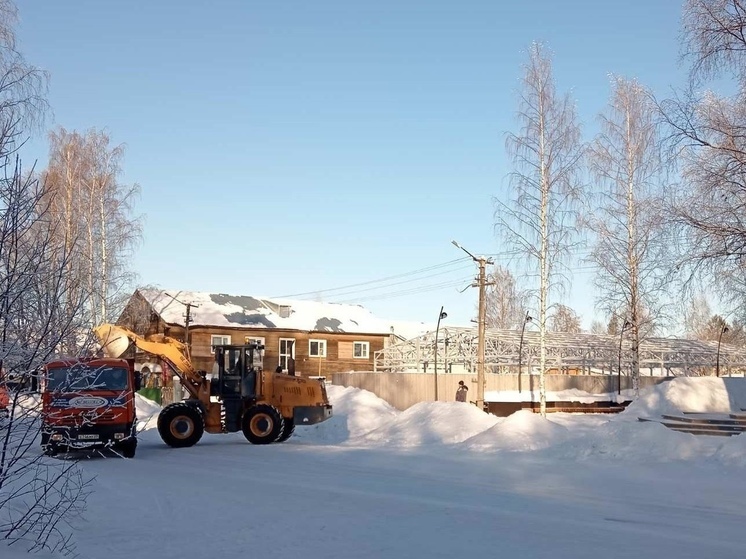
column 89, row 404
column 4, row 401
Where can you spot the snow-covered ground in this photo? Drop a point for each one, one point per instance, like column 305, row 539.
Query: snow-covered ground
column 437, row 480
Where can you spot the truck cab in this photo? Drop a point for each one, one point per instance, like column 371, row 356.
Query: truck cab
column 89, row 404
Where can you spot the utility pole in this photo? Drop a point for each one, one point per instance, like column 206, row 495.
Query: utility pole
column 482, row 321
column 441, row 316
column 187, row 320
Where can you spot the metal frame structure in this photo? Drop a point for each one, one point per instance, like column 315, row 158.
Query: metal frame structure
column 584, row 353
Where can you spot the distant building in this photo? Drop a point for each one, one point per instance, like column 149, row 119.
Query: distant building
column 322, row 338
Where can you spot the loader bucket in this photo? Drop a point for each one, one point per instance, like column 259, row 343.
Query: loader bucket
column 114, row 341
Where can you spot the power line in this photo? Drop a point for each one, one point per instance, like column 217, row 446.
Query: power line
column 583, row 267
column 388, row 285
column 388, row 278
column 411, row 291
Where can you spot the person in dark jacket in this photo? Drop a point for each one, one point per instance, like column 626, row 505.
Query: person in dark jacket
column 461, row 391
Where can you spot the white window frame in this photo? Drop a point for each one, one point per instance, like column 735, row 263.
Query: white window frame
column 285, row 354
column 321, row 346
column 366, row 352
column 224, row 340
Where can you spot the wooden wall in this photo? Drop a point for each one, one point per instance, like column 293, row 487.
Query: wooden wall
column 338, row 358
column 403, row 390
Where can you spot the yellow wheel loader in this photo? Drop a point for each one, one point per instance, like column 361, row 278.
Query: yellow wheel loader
column 266, row 406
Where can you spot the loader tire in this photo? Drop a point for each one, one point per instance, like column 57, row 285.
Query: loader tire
column 181, row 424
column 262, row 424
column 287, row 431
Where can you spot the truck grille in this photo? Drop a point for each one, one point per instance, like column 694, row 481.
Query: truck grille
column 87, row 417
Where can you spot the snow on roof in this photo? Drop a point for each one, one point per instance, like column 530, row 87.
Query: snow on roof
column 242, row 311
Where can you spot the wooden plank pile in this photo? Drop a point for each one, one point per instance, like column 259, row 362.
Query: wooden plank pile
column 723, row 425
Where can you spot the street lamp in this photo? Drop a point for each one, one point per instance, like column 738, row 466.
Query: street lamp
column 619, row 369
column 520, row 349
column 441, row 316
column 723, row 330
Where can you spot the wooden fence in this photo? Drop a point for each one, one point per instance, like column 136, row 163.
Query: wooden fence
column 403, row 390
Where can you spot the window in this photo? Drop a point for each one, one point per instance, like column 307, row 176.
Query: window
column 79, row 378
column 287, row 350
column 360, row 350
column 317, row 348
column 257, row 357
column 218, row 340
column 248, row 340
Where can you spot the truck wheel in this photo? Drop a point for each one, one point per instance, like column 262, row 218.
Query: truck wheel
column 50, row 449
column 127, row 448
column 180, row 425
column 262, row 424
column 287, row 430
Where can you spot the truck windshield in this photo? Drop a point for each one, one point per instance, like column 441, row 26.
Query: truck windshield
column 79, row 377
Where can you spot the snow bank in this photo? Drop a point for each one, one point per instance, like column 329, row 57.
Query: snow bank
column 147, row 412
column 356, row 412
column 429, row 423
column 690, row 394
column 524, row 430
column 362, row 419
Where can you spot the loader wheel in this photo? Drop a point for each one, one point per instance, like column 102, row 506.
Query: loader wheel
column 287, row 431
column 262, row 424
column 181, row 425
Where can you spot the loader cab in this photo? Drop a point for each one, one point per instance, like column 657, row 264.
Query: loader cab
column 237, row 373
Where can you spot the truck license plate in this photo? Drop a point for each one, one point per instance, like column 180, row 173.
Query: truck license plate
column 87, row 437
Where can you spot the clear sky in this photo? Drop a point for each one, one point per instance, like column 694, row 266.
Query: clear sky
column 289, row 146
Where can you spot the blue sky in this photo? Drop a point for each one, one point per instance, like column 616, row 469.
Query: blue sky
column 288, row 147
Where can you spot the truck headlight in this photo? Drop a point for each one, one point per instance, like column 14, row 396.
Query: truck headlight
column 118, row 436
column 57, row 437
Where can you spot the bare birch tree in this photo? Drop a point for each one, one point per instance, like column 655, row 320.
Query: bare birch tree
column 629, row 246
column 63, row 193
column 564, row 319
column 22, row 86
column 541, row 220
column 83, row 184
column 708, row 133
column 505, row 303
column 37, row 495
column 696, row 316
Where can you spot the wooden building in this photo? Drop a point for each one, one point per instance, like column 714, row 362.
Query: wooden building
column 322, row 338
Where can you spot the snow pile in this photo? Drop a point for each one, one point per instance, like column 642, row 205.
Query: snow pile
column 638, row 442
column 523, row 430
column 362, row 419
column 147, row 412
column 690, row 394
column 429, row 423
column 356, row 412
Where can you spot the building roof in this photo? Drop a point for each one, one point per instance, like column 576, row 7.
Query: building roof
column 243, row 311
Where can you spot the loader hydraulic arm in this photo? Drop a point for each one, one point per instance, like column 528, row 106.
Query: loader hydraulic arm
column 115, row 340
